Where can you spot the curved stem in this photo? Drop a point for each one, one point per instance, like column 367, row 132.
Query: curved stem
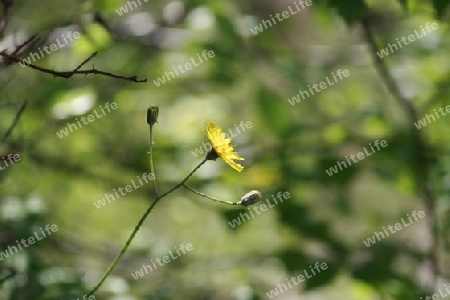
column 209, row 197
column 150, row 155
column 138, row 226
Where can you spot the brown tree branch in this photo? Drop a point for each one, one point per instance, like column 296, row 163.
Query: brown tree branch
column 25, row 43
column 421, row 152
column 75, row 71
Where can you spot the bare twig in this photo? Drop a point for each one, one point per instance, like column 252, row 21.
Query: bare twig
column 421, row 152
column 15, row 121
column 17, row 50
column 26, row 42
column 75, row 71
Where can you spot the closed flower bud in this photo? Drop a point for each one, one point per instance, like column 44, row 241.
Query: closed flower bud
column 152, row 114
column 250, row 198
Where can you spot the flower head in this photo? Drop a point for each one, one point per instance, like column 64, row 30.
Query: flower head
column 221, row 146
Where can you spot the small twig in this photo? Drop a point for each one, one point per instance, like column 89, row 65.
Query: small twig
column 15, row 122
column 85, row 61
column 421, row 153
column 16, row 52
column 19, row 47
column 75, row 71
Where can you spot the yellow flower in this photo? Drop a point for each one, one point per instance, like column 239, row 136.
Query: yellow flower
column 221, row 146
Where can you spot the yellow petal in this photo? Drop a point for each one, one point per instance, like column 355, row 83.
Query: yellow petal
column 222, row 145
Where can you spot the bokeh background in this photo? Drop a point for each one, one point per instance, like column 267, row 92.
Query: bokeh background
column 288, row 149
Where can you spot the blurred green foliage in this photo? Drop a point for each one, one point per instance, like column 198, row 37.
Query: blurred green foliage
column 289, row 147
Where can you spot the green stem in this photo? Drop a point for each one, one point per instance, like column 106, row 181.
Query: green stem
column 209, row 197
column 152, row 170
column 138, row 226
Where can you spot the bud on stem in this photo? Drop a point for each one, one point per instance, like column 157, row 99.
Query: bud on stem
column 152, row 114
column 250, row 198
